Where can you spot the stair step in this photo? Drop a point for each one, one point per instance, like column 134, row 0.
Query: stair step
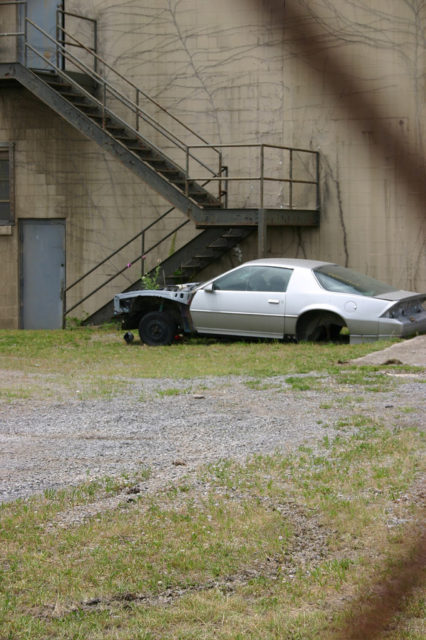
column 58, row 85
column 233, row 234
column 161, row 163
column 136, row 147
column 206, row 256
column 113, row 126
column 178, row 278
column 149, row 155
column 69, row 93
column 146, row 155
column 173, row 171
column 124, row 136
column 199, row 194
column 220, row 243
column 46, row 72
column 192, row 265
column 82, row 103
column 170, row 172
column 177, row 180
column 86, row 107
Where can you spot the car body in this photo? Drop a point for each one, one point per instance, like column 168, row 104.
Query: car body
column 277, row 298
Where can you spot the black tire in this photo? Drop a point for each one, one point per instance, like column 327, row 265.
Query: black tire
column 322, row 326
column 157, row 328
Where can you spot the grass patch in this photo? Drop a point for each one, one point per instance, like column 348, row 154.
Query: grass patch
column 16, row 393
column 279, row 547
column 305, row 383
column 268, row 549
column 90, row 362
column 262, row 384
column 173, row 391
column 371, row 378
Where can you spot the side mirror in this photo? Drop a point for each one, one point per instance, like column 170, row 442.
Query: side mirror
column 209, row 288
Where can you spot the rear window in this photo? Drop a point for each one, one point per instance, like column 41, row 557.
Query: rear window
column 342, row 280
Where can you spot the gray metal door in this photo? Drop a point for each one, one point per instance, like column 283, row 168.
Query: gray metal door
column 43, row 14
column 42, row 245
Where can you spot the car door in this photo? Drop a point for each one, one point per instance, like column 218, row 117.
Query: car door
column 248, row 301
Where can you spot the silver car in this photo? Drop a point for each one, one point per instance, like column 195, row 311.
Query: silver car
column 277, row 298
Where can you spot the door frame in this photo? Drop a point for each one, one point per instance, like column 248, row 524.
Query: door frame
column 26, row 57
column 41, row 221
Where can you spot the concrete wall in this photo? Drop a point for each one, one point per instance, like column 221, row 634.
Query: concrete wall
column 238, row 73
column 347, row 79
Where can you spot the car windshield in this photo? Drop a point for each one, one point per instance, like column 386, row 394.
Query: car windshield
column 342, row 280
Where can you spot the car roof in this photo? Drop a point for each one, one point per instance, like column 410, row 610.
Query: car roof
column 288, row 262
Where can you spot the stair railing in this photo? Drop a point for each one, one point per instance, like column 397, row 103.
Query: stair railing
column 139, row 258
column 138, row 91
column 263, row 176
column 108, row 90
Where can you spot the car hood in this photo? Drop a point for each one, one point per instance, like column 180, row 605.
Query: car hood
column 395, row 296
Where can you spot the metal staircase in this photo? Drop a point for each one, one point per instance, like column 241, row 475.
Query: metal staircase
column 131, row 140
column 125, row 121
column 182, row 266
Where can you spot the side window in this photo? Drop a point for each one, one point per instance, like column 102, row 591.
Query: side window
column 277, row 278
column 253, row 278
column 270, row 279
column 234, row 281
column 6, row 184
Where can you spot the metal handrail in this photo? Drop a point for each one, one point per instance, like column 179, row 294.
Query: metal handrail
column 262, row 178
column 123, row 246
column 138, row 258
column 107, row 87
column 127, row 102
column 94, row 54
column 137, row 89
column 95, row 76
column 87, row 94
column 126, row 244
column 144, row 252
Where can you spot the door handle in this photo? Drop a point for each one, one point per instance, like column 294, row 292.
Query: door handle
column 273, row 301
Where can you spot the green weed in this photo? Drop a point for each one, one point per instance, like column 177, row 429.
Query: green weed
column 217, row 557
column 304, row 383
column 173, row 391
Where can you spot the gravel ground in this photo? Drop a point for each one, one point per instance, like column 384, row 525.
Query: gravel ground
column 179, row 426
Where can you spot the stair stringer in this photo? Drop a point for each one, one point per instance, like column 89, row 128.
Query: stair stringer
column 91, row 130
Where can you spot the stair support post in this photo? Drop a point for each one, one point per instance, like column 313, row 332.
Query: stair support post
column 186, row 170
column 137, row 109
column 143, row 254
column 25, row 51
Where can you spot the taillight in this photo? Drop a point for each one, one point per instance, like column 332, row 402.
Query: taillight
column 405, row 309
